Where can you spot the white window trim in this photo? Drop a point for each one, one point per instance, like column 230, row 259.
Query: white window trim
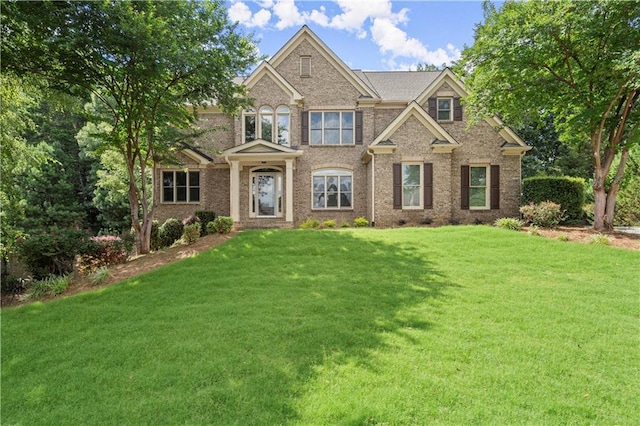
column 323, row 112
column 327, row 172
column 487, row 189
column 175, row 187
column 450, row 99
column 277, row 172
column 420, row 186
column 245, row 113
column 278, row 114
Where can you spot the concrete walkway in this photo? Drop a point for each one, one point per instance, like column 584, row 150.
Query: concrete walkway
column 628, row 229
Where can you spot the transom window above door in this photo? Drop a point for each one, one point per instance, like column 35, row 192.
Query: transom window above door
column 267, row 124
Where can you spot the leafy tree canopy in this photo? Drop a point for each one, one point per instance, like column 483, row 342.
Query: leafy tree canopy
column 145, row 60
column 577, row 60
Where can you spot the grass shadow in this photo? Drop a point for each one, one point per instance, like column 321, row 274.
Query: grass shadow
column 232, row 336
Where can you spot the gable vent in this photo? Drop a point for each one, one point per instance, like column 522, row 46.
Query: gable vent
column 305, row 66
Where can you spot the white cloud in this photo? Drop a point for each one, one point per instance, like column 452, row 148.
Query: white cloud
column 392, row 40
column 361, row 18
column 241, row 13
column 288, row 14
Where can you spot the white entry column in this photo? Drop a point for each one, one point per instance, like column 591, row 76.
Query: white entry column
column 289, row 190
column 234, row 190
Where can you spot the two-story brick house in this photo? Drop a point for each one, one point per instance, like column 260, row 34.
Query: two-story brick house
column 324, row 141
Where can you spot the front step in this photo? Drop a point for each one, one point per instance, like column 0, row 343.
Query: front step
column 264, row 224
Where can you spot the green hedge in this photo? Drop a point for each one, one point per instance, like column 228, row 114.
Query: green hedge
column 564, row 190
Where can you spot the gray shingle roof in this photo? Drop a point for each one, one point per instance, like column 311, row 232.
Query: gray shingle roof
column 398, row 85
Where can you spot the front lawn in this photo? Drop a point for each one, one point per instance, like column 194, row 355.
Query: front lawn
column 452, row 325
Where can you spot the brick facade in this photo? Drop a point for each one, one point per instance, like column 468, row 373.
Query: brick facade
column 331, row 86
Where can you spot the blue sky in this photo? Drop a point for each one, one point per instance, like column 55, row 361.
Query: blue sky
column 366, row 34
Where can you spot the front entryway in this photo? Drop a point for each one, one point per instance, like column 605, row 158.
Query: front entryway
column 266, row 193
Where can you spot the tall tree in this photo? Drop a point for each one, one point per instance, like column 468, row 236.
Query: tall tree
column 579, row 61
column 145, row 60
column 19, row 99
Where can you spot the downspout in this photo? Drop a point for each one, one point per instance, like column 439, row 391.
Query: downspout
column 373, row 187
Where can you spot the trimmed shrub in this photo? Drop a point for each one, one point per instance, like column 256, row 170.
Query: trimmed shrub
column 546, row 214
column 360, row 222
column 170, row 232
column 191, row 233
column 54, row 252
column 511, row 223
column 309, row 224
column 107, row 250
column 329, row 223
column 344, row 224
column 222, row 224
column 156, row 242
column 205, row 217
column 564, row 190
column 190, row 220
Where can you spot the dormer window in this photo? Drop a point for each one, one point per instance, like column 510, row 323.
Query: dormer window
column 305, row 66
column 445, row 109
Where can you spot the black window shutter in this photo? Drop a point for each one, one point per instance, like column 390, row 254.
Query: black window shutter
column 397, row 186
column 464, row 187
column 358, row 127
column 457, row 109
column 494, row 195
column 433, row 108
column 304, row 120
column 428, row 185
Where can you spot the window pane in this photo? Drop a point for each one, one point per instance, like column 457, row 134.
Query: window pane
column 478, row 176
column 249, row 128
column 167, row 195
column 347, row 120
column 347, row 136
column 316, row 120
column 332, row 191
column 283, row 129
column 194, row 179
column 181, row 194
column 411, row 196
column 181, row 179
column 444, row 104
column 345, row 199
column 477, row 197
column 194, row 195
column 332, row 137
column 332, row 120
column 319, row 200
column 167, row 179
column 345, row 183
column 266, row 122
column 410, row 174
column 316, row 137
column 444, row 115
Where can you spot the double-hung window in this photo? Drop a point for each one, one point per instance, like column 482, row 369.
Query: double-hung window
column 478, row 187
column 331, row 128
column 180, row 187
column 332, row 189
column 445, row 109
column 411, row 186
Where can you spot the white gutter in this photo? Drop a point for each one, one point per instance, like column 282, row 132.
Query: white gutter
column 373, row 186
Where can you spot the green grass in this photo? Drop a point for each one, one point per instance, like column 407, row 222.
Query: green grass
column 453, row 325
